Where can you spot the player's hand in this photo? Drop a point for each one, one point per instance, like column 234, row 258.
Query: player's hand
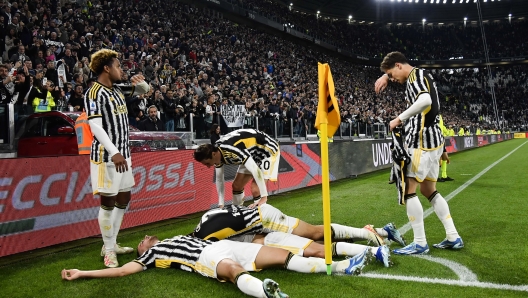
column 136, row 79
column 70, row 274
column 381, row 83
column 394, row 123
column 260, row 202
column 120, row 163
column 221, row 206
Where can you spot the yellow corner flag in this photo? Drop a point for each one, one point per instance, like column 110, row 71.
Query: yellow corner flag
column 327, row 108
column 327, row 122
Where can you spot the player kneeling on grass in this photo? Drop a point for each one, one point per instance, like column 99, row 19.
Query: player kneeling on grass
column 224, row 260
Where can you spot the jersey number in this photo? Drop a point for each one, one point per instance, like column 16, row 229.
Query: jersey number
column 266, row 165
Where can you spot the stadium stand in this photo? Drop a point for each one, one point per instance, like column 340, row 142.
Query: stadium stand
column 197, row 58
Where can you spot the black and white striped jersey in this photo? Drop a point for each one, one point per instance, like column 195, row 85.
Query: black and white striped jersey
column 218, row 224
column 237, row 146
column 422, row 130
column 180, row 252
column 110, row 105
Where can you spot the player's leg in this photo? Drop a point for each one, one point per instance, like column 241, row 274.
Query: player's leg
column 339, row 232
column 255, row 191
column 415, row 214
column 241, row 179
column 269, row 257
column 122, row 200
column 441, row 208
column 275, row 220
column 308, row 248
column 102, row 177
column 232, row 271
column 105, row 225
column 125, row 181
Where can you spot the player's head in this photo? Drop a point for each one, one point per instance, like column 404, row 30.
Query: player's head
column 396, row 66
column 207, row 155
column 146, row 244
column 105, row 64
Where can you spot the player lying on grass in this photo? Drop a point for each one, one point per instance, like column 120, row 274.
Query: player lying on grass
column 233, row 220
column 308, row 248
column 224, row 260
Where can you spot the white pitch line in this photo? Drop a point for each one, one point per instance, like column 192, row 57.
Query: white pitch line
column 466, row 277
column 463, row 273
column 451, row 282
column 407, row 227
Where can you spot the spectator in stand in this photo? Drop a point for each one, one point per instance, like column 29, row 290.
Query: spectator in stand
column 76, row 102
column 20, row 55
column 152, row 122
column 215, row 133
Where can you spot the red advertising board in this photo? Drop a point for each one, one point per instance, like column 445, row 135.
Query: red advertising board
column 46, row 201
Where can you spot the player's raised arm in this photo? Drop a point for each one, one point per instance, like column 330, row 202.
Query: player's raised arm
column 137, row 86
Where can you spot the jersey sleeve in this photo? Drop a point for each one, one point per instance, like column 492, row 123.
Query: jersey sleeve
column 93, row 103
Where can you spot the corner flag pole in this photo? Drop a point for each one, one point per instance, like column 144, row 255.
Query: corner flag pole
column 326, row 198
column 327, row 113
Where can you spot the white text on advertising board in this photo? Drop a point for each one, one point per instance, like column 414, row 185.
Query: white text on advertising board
column 51, row 193
column 381, row 154
column 468, row 142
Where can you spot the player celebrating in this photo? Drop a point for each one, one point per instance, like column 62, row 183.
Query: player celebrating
column 223, row 260
column 110, row 167
column 258, row 156
column 233, row 220
column 424, row 142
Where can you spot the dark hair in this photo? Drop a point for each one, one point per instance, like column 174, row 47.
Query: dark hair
column 214, row 127
column 391, row 59
column 204, row 151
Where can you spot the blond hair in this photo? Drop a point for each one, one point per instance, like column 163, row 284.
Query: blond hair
column 102, row 58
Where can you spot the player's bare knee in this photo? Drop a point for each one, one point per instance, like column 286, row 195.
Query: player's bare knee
column 228, row 269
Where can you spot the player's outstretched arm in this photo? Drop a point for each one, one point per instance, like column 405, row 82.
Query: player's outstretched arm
column 127, row 269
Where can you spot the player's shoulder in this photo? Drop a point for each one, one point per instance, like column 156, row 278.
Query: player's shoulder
column 95, row 90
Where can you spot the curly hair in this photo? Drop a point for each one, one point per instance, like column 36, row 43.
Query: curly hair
column 102, row 58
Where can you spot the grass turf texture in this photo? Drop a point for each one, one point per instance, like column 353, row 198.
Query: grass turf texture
column 489, row 215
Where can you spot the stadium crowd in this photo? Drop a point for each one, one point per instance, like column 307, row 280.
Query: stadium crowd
column 197, row 63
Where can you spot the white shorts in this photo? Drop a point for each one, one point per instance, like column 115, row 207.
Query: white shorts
column 293, row 243
column 269, row 167
column 273, row 220
column 242, row 253
column 107, row 181
column 424, row 164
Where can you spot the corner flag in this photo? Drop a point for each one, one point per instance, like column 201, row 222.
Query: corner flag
column 327, row 122
column 327, row 108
